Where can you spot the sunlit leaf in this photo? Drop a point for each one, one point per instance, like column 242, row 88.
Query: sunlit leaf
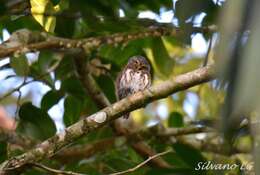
column 159, row 57
column 43, row 12
column 210, row 101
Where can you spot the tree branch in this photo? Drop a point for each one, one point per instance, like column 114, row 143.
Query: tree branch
column 91, row 123
column 87, row 44
column 14, row 138
column 101, row 100
column 85, row 151
column 55, row 171
column 184, row 131
column 25, row 41
column 142, row 164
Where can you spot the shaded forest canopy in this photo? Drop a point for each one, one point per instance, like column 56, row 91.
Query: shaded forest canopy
column 59, row 60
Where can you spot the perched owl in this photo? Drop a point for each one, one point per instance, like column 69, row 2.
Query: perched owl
column 136, row 76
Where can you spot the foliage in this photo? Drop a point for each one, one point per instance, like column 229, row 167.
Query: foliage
column 56, row 69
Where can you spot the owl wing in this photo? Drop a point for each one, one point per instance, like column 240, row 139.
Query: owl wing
column 122, row 91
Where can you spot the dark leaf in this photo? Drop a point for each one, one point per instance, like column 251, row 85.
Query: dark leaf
column 188, row 9
column 51, row 98
column 65, row 69
column 175, row 120
column 73, row 108
column 20, row 65
column 73, row 87
column 35, row 122
column 20, row 23
column 55, row 2
column 3, row 151
column 189, row 155
column 108, row 87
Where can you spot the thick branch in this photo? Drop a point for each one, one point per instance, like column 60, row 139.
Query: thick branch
column 169, row 134
column 160, row 131
column 51, row 42
column 51, row 146
column 85, row 151
column 24, row 41
column 14, row 138
column 101, row 100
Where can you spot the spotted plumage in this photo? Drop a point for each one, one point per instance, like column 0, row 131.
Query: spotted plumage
column 136, row 76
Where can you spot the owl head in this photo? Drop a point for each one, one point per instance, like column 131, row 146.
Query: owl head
column 138, row 63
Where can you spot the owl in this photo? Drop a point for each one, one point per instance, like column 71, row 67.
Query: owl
column 135, row 76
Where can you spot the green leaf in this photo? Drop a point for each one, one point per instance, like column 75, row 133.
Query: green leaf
column 43, row 12
column 65, row 69
column 72, row 107
column 108, row 88
column 120, row 54
column 135, row 157
column 159, row 57
column 175, row 120
column 35, row 123
column 189, row 155
column 55, row 2
column 46, row 60
column 73, row 87
column 175, row 160
column 20, row 65
column 51, row 98
column 3, row 151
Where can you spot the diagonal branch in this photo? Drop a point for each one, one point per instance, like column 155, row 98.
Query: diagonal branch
column 102, row 101
column 14, row 138
column 91, row 123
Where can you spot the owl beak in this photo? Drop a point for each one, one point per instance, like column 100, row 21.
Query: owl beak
column 140, row 67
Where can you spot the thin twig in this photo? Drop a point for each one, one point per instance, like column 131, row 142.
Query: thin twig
column 208, row 52
column 143, row 163
column 14, row 90
column 28, row 82
column 54, row 171
column 19, row 97
column 185, row 131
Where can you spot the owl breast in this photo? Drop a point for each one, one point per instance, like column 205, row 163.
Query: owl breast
column 135, row 80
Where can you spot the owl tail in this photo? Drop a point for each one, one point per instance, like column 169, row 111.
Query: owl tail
column 126, row 116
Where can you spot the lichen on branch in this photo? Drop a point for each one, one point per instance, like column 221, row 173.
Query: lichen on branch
column 83, row 127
